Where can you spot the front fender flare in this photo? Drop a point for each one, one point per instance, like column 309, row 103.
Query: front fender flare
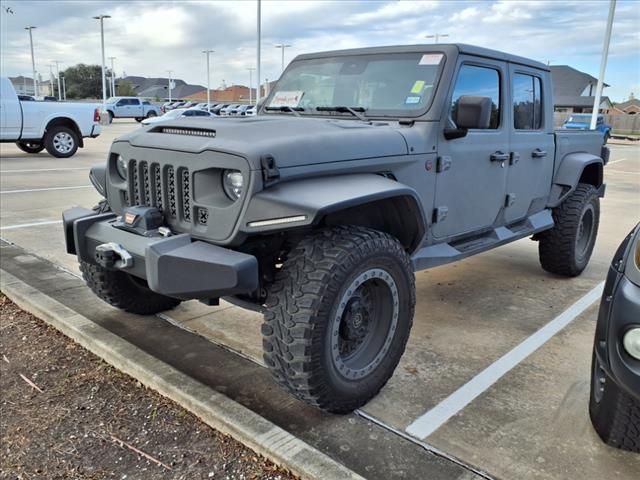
column 315, row 198
column 569, row 173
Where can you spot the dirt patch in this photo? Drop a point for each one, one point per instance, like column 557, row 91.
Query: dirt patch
column 66, row 414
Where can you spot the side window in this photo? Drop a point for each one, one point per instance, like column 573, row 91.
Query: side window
column 482, row 82
column 146, row 103
column 122, row 103
column 527, row 106
column 134, row 101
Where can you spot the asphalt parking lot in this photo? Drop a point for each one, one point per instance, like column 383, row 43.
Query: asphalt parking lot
column 496, row 373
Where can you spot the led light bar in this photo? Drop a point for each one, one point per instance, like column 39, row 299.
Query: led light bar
column 277, row 221
column 189, row 131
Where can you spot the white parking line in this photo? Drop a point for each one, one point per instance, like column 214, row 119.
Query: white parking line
column 617, row 161
column 621, row 171
column 25, row 225
column 44, row 170
column 46, row 189
column 433, row 419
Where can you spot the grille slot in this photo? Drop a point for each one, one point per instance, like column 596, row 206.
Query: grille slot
column 151, row 185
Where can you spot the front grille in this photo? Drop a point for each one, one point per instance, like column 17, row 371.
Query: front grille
column 166, row 187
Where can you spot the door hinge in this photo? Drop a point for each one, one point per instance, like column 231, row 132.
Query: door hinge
column 510, row 199
column 515, row 158
column 443, row 164
column 439, row 214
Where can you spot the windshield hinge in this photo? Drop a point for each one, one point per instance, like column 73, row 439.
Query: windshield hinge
column 270, row 172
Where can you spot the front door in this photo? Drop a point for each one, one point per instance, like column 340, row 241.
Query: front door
column 470, row 193
column 532, row 143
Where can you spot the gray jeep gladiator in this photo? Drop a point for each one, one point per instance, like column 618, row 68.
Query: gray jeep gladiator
column 361, row 167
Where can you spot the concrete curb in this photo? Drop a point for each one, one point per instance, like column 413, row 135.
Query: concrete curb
column 215, row 409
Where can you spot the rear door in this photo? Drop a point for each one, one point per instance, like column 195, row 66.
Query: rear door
column 10, row 112
column 135, row 108
column 531, row 143
column 470, row 189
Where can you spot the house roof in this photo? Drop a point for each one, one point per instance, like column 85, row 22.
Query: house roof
column 578, row 101
column 632, row 102
column 157, row 87
column 567, row 81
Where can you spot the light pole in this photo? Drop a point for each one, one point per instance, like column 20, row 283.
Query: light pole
column 64, row 89
column 58, row 62
column 207, row 52
column 437, row 36
column 113, row 77
column 258, row 57
column 603, row 66
column 282, row 46
column 104, row 78
column 52, row 92
column 33, row 61
column 251, row 69
column 169, row 72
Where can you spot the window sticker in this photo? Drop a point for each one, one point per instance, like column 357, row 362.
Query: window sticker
column 417, row 87
column 412, row 100
column 286, row 99
column 430, row 59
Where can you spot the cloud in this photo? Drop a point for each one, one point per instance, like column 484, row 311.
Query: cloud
column 150, row 37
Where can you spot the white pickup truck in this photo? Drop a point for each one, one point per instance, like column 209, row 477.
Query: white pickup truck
column 33, row 126
column 131, row 107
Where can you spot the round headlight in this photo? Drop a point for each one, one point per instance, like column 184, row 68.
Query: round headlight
column 233, row 182
column 121, row 167
column 631, row 342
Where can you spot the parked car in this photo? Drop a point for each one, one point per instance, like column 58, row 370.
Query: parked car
column 614, row 404
column 49, row 98
column 582, row 121
column 242, row 110
column 26, row 98
column 216, row 110
column 251, row 111
column 177, row 113
column 34, row 126
column 226, row 111
column 318, row 211
column 176, row 104
column 131, row 107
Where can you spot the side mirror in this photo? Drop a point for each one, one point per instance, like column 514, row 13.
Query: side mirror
column 470, row 112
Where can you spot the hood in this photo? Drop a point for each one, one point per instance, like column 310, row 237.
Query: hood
column 292, row 141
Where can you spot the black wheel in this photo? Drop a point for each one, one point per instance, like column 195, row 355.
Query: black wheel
column 111, row 117
column 30, row 147
column 566, row 248
column 61, row 142
column 125, row 291
column 151, row 114
column 607, row 136
column 338, row 316
column 139, row 119
column 614, row 413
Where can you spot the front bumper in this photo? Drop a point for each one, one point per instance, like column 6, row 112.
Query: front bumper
column 619, row 312
column 175, row 266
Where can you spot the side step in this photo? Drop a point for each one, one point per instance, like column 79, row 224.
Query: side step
column 443, row 253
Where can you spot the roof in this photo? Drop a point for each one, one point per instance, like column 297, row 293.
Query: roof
column 446, row 48
column 577, row 101
column 632, row 102
column 161, row 91
column 567, row 81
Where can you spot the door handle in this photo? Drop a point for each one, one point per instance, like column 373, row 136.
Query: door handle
column 537, row 153
column 499, row 157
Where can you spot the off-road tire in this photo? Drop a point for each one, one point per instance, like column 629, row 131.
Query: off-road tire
column 124, row 291
column 616, row 416
column 301, row 310
column 30, row 147
column 558, row 248
column 51, row 141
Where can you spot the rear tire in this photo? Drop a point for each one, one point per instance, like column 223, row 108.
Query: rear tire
column 338, row 316
column 124, row 291
column 30, row 147
column 614, row 413
column 61, row 141
column 151, row 114
column 566, row 248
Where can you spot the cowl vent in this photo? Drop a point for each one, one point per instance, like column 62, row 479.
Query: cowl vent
column 194, row 132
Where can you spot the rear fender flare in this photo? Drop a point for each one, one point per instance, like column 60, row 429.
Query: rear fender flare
column 579, row 167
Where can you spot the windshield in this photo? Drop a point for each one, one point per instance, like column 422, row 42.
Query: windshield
column 579, row 119
column 112, row 100
column 382, row 84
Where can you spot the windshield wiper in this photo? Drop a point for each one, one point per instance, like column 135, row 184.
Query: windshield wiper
column 286, row 108
column 343, row 109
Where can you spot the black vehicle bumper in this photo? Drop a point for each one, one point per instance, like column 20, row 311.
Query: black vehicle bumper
column 175, row 266
column 619, row 312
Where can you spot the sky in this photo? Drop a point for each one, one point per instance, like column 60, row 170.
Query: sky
column 150, row 37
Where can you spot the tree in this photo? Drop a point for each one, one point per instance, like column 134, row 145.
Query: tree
column 125, row 89
column 84, row 81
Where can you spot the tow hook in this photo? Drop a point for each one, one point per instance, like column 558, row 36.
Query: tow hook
column 113, row 256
